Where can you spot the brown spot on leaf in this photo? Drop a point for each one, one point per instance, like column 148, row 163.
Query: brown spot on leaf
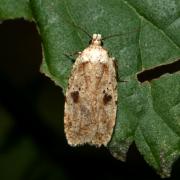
column 75, row 96
column 107, row 98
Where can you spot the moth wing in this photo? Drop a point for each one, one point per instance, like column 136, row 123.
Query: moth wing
column 90, row 107
column 79, row 122
column 106, row 104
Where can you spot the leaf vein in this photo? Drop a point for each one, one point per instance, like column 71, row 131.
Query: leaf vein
column 142, row 16
column 151, row 150
column 166, row 123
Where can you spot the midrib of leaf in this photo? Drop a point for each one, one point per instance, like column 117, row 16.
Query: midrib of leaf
column 151, row 150
column 165, row 122
column 140, row 53
column 140, row 16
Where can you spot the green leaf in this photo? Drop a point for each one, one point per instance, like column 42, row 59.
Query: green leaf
column 138, row 118
column 148, row 113
column 11, row 9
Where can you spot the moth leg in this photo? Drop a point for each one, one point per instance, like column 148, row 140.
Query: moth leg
column 72, row 56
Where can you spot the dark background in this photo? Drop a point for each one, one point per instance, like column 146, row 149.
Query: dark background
column 32, row 140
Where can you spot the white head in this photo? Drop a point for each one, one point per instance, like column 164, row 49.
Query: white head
column 96, row 40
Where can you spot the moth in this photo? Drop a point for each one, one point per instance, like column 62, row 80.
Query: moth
column 91, row 97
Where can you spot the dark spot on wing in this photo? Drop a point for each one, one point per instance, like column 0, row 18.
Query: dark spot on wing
column 75, row 96
column 107, row 98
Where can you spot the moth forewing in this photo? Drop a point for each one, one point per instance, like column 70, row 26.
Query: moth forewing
column 91, row 96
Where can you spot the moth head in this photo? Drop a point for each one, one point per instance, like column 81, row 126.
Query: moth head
column 96, row 40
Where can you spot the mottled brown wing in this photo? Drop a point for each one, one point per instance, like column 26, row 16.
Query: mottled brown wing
column 106, row 105
column 90, row 107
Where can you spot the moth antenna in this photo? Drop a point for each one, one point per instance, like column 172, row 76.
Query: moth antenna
column 83, row 30
column 121, row 34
